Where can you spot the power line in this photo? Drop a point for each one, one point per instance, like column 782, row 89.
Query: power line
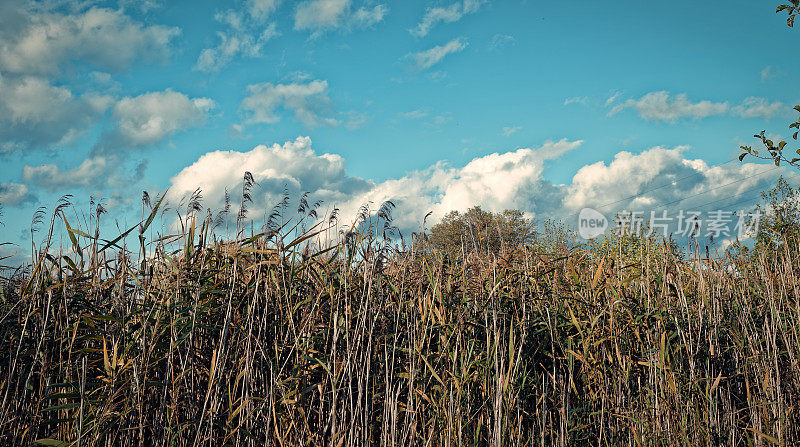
column 693, row 195
column 673, row 182
column 738, row 201
column 721, row 186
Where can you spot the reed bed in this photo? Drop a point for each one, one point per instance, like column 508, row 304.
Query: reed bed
column 278, row 338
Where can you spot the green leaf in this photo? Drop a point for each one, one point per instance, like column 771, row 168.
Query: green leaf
column 147, row 224
column 153, row 213
column 63, row 406
column 71, row 263
column 72, row 238
column 53, row 442
column 306, row 236
column 79, row 233
column 741, row 157
column 118, row 238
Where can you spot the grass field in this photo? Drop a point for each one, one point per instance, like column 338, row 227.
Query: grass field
column 280, row 339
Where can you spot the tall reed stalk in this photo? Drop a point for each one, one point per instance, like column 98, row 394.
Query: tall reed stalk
column 277, row 338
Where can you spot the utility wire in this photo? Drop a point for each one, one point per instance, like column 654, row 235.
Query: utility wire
column 688, row 197
column 673, row 182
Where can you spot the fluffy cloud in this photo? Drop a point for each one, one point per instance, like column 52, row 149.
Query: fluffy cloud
column 13, row 194
column 35, row 113
column 415, row 114
column 365, row 17
column 47, row 41
column 510, row 130
column 100, row 173
column 576, row 100
column 429, row 119
column 355, row 120
column 428, row 58
column 448, row 14
column 501, row 41
column 233, row 44
column 308, row 101
column 496, row 181
column 245, row 35
column 261, row 9
column 318, row 16
column 293, row 165
column 664, row 178
column 661, row 106
column 657, row 177
column 150, row 118
column 767, row 73
column 759, row 107
column 53, row 178
column 510, row 180
column 140, row 5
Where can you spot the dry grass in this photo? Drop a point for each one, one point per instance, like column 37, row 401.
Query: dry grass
column 271, row 340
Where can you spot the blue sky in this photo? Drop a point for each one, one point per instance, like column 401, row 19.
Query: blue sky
column 546, row 106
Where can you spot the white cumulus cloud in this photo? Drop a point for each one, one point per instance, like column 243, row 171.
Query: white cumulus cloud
column 365, row 17
column 106, row 174
column 661, row 106
column 292, row 165
column 664, row 178
column 428, row 58
column 45, row 42
column 149, row 118
column 318, row 16
column 308, row 101
column 496, row 181
column 34, row 113
column 753, row 107
column 246, row 34
column 233, row 44
column 13, row 194
column 261, row 9
column 767, row 73
column 654, row 178
column 445, row 14
column 51, row 177
column 576, row 100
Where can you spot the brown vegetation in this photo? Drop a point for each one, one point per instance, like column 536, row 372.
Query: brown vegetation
column 270, row 339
